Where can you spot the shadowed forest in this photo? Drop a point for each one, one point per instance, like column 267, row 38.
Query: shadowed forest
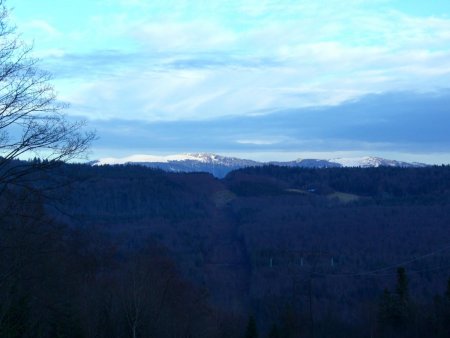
column 128, row 251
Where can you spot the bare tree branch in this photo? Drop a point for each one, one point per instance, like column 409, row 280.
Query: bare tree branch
column 32, row 123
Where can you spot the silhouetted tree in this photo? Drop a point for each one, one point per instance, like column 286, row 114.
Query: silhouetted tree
column 274, row 332
column 395, row 309
column 402, row 301
column 251, row 331
column 445, row 316
column 385, row 311
column 402, row 285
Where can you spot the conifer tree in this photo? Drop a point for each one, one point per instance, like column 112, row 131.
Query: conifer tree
column 274, row 332
column 402, row 302
column 394, row 311
column 385, row 308
column 252, row 331
column 447, row 291
column 446, row 310
column 402, row 285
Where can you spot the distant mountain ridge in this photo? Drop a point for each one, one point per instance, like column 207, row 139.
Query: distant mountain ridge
column 370, row 161
column 220, row 166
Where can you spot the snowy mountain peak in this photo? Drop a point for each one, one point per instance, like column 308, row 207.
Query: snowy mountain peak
column 221, row 165
column 370, row 162
column 198, row 157
column 210, row 157
column 146, row 159
column 191, row 162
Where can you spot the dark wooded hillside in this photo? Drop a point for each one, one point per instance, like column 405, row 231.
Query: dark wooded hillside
column 301, row 250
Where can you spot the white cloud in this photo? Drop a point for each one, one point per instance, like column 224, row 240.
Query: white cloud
column 259, row 142
column 42, row 26
column 191, row 36
column 50, row 53
column 206, row 60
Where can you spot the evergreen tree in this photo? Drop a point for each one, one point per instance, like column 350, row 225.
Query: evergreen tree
column 447, row 291
column 252, row 331
column 402, row 310
column 274, row 332
column 385, row 309
column 290, row 322
column 402, row 285
column 446, row 311
column 394, row 311
column 15, row 321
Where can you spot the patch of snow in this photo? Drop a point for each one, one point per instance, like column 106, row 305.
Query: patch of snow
column 356, row 161
column 151, row 159
column 206, row 161
column 368, row 161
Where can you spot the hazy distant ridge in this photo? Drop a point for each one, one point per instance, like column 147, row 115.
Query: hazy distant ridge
column 219, row 165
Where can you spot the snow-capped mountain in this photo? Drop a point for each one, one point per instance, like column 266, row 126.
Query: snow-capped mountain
column 219, row 165
column 369, row 162
column 215, row 164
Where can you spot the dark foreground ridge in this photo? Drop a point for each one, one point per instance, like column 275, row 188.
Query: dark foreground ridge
column 118, row 251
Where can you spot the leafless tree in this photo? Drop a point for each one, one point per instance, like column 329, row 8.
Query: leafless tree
column 32, row 122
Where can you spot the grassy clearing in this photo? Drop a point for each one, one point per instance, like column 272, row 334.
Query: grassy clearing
column 343, row 197
column 298, row 191
column 223, row 197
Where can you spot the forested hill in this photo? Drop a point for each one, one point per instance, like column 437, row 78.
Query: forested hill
column 134, row 193
column 381, row 185
column 267, row 241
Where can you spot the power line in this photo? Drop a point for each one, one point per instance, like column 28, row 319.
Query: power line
column 375, row 272
column 368, row 273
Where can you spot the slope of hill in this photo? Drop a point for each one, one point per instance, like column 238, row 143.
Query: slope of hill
column 220, row 231
column 278, row 242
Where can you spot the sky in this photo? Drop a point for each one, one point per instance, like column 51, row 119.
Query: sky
column 260, row 79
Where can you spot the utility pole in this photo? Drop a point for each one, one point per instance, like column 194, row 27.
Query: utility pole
column 311, row 313
column 305, row 261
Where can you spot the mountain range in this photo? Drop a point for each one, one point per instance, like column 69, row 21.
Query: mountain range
column 220, row 166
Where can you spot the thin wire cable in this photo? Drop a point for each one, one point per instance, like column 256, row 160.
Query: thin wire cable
column 375, row 272
column 436, row 268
